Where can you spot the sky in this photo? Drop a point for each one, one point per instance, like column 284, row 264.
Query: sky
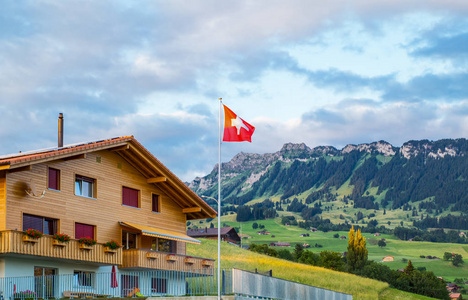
column 314, row 72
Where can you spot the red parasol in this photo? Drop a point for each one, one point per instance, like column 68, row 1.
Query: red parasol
column 114, row 283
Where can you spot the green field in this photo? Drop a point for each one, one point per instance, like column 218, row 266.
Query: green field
column 395, row 247
column 359, row 287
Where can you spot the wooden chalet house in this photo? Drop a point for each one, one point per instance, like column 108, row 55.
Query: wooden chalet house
column 228, row 234
column 105, row 190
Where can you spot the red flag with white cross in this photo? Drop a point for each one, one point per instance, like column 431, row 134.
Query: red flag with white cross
column 236, row 129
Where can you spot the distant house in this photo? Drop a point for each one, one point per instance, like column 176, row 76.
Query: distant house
column 263, row 232
column 455, row 296
column 376, row 234
column 304, row 235
column 228, row 234
column 342, row 237
column 388, row 258
column 313, row 229
column 280, row 245
column 305, row 245
column 462, row 234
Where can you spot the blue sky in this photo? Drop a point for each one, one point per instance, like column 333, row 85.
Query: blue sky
column 323, row 73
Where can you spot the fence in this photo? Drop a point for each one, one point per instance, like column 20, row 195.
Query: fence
column 160, row 283
column 117, row 284
column 256, row 285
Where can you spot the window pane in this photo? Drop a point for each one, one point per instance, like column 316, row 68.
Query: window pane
column 84, row 186
column 78, row 188
column 164, row 245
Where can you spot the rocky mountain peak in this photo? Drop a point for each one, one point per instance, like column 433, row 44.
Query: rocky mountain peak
column 381, row 147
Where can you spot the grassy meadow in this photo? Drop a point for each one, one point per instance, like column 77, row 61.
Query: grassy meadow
column 359, row 287
column 398, row 249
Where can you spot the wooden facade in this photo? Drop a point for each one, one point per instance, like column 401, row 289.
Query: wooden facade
column 113, row 164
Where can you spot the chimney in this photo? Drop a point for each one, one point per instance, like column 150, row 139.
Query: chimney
column 60, row 130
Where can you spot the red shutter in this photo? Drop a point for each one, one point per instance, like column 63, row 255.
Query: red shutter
column 53, row 179
column 129, row 197
column 84, row 230
column 156, row 203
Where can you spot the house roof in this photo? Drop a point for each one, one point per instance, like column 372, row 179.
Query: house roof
column 208, row 231
column 131, row 151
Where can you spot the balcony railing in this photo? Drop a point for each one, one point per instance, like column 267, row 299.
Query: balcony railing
column 12, row 242
column 149, row 259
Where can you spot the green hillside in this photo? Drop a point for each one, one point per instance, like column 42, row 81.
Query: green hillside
column 359, row 287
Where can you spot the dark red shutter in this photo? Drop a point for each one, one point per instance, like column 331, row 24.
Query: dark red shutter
column 129, row 197
column 34, row 222
column 155, row 203
column 53, row 179
column 84, row 230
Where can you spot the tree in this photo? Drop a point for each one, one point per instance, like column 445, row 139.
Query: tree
column 211, row 225
column 447, row 256
column 382, row 243
column 409, row 268
column 285, row 254
column 457, row 260
column 298, row 249
column 357, row 251
column 331, row 260
column 254, row 225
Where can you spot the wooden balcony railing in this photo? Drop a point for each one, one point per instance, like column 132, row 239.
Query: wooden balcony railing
column 149, row 259
column 12, row 242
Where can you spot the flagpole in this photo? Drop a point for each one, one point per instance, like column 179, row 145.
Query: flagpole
column 219, row 204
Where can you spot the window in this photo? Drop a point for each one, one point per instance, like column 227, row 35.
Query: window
column 164, row 245
column 84, row 278
column 129, row 240
column 44, row 225
column 159, row 285
column 130, row 197
column 84, row 230
column 85, row 186
column 54, row 179
column 156, row 204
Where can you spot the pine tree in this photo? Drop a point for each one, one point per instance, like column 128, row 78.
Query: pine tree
column 357, row 252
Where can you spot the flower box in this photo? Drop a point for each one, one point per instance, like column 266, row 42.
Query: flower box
column 28, row 239
column 171, row 257
column 109, row 250
column 208, row 263
column 85, row 247
column 152, row 255
column 189, row 260
column 59, row 243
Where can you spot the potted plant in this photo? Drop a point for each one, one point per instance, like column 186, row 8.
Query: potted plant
column 112, row 246
column 60, row 239
column 32, row 235
column 86, row 243
column 208, row 263
column 189, row 260
column 171, row 257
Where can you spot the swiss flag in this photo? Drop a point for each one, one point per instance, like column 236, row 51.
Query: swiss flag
column 236, row 129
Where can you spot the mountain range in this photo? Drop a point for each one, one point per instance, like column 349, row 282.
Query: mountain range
column 431, row 174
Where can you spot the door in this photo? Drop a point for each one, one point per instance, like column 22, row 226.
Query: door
column 45, row 282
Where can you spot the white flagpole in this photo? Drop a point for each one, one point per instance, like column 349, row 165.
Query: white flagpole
column 219, row 204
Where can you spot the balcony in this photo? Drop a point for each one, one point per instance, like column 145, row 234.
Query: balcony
column 12, row 243
column 149, row 259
